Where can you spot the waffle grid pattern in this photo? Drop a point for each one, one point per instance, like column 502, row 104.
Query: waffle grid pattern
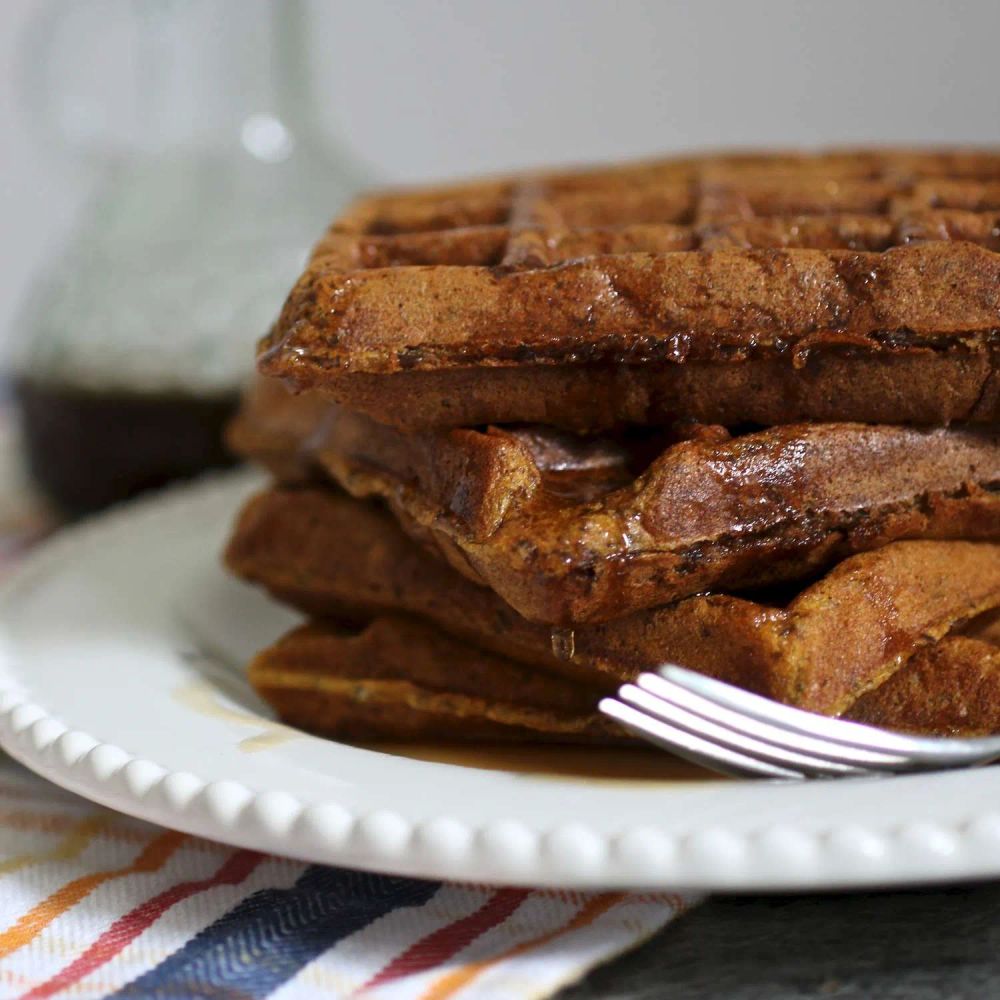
column 843, row 201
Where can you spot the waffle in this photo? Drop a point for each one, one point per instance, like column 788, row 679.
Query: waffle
column 272, row 426
column 351, row 686
column 572, row 530
column 950, row 688
column 764, row 289
column 820, row 648
column 395, row 679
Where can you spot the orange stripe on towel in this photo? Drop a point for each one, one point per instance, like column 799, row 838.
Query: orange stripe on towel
column 152, row 857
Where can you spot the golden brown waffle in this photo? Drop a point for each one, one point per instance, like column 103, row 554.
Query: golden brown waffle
column 950, row 688
column 398, row 680
column 820, row 648
column 770, row 289
column 271, row 425
column 571, row 530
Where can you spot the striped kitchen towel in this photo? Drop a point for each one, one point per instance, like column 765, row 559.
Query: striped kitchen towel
column 96, row 904
column 93, row 904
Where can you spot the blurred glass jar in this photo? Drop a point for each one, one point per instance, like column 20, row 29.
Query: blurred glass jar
column 214, row 182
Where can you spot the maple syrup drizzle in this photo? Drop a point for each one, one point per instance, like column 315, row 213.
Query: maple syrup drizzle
column 563, row 643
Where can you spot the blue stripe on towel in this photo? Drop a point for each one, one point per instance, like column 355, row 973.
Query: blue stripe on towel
column 270, row 936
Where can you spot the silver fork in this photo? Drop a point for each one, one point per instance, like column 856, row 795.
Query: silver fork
column 741, row 734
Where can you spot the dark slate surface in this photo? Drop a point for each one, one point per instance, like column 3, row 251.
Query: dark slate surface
column 914, row 945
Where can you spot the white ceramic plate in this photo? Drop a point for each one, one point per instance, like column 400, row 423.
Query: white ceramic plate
column 119, row 679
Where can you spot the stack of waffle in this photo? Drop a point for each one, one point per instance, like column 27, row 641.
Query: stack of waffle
column 532, row 436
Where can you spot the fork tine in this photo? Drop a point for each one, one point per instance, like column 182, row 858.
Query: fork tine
column 918, row 752
column 800, row 743
column 733, row 739
column 690, row 746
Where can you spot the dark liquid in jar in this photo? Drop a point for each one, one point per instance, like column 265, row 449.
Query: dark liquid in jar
column 87, row 449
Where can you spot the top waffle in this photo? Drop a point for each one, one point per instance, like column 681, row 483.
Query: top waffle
column 771, row 289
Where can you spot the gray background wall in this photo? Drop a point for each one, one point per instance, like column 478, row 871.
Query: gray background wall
column 427, row 88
